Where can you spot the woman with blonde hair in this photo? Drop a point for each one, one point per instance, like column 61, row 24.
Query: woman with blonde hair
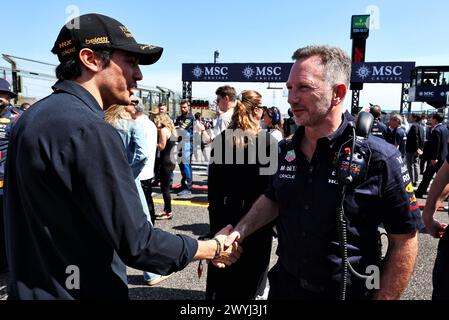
column 232, row 189
column 166, row 142
column 133, row 137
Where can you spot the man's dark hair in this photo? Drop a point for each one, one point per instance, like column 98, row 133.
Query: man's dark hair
column 226, row 91
column 438, row 117
column 376, row 111
column 290, row 112
column 183, row 101
column 71, row 69
column 416, row 117
column 197, row 116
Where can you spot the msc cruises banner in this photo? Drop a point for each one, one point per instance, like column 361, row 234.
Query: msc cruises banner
column 236, row 72
column 382, row 72
column 429, row 94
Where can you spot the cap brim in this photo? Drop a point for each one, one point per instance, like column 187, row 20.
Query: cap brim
column 12, row 94
column 147, row 54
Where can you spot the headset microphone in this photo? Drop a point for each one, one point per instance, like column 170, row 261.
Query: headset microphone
column 351, row 162
column 352, row 165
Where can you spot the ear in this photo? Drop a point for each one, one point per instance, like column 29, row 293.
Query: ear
column 339, row 94
column 89, row 60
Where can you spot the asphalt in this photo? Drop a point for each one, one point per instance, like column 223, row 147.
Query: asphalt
column 192, row 220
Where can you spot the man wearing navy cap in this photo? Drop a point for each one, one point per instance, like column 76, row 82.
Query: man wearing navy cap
column 73, row 215
column 8, row 115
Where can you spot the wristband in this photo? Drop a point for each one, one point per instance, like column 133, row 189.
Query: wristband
column 218, row 250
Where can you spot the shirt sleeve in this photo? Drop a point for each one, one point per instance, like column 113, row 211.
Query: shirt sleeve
column 141, row 154
column 400, row 211
column 109, row 200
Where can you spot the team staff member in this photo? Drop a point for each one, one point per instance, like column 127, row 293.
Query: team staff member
column 73, row 213
column 304, row 195
column 8, row 116
column 379, row 128
column 437, row 152
column 184, row 123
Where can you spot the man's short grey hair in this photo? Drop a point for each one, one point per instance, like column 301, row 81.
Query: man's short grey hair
column 140, row 107
column 336, row 62
column 138, row 104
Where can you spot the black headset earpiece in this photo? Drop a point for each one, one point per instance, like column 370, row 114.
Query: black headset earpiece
column 351, row 161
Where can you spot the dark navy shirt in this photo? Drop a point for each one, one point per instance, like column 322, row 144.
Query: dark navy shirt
column 308, row 195
column 73, row 214
column 379, row 129
column 398, row 138
column 186, row 123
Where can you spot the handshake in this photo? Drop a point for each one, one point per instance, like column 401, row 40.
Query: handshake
column 226, row 246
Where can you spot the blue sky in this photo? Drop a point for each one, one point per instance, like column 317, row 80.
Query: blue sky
column 243, row 31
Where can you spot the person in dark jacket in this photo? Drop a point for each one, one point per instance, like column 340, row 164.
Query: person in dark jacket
column 437, row 152
column 379, row 129
column 184, row 124
column 414, row 147
column 8, row 116
column 234, row 183
column 73, row 215
column 396, row 134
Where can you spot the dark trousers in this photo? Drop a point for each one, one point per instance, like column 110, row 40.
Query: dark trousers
column 148, row 190
column 427, row 177
column 440, row 275
column 242, row 280
column 3, row 262
column 165, row 174
column 157, row 166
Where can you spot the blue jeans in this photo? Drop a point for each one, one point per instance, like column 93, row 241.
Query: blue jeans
column 185, row 166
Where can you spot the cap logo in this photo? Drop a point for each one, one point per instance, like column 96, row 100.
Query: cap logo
column 68, row 51
column 147, row 46
column 126, row 32
column 65, row 44
column 96, row 40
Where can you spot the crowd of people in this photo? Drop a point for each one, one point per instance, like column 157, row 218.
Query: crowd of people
column 94, row 154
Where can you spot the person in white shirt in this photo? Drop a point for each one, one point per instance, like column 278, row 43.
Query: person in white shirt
column 147, row 173
column 226, row 101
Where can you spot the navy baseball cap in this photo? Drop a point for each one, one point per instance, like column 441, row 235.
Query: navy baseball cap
column 96, row 32
column 6, row 87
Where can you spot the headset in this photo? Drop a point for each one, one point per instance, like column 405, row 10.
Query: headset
column 352, row 166
column 352, row 161
column 276, row 115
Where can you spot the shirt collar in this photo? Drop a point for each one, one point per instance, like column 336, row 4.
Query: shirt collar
column 73, row 88
column 297, row 137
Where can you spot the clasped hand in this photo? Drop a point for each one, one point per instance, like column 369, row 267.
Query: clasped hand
column 230, row 247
